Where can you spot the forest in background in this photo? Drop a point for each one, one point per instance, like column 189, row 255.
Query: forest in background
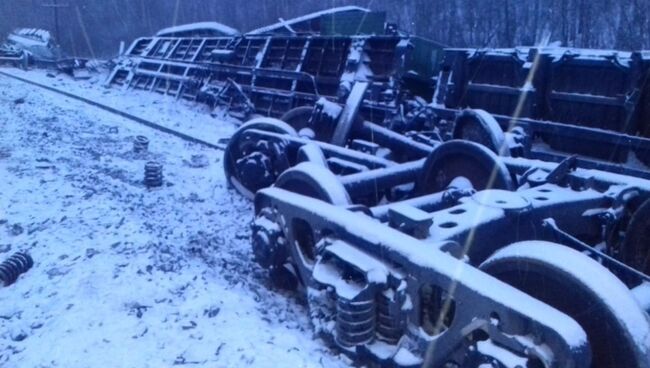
column 96, row 27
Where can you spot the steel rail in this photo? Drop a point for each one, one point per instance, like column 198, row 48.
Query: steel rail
column 120, row 113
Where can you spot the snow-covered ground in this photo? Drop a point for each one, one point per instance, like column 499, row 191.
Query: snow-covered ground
column 125, row 276
column 181, row 115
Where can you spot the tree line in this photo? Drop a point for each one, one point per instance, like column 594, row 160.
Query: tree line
column 96, row 27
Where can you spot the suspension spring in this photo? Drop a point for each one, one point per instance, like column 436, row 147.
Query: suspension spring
column 140, row 144
column 153, row 174
column 389, row 326
column 355, row 322
column 14, row 266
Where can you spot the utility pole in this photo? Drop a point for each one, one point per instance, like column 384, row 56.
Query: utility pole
column 55, row 6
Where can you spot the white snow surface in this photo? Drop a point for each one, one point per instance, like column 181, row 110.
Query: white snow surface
column 213, row 26
column 642, row 295
column 187, row 117
column 124, row 276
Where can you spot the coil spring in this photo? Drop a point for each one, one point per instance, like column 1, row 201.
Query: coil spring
column 140, row 144
column 389, row 326
column 355, row 322
column 14, row 266
column 153, row 174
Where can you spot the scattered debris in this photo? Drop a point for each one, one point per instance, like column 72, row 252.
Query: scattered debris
column 16, row 229
column 266, row 72
column 18, row 335
column 140, row 144
column 197, row 161
column 153, row 174
column 138, row 309
column 14, row 266
column 212, row 312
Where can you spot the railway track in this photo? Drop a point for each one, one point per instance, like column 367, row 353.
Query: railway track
column 120, row 113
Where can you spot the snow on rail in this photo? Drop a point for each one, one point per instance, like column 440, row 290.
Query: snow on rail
column 184, row 117
column 123, row 114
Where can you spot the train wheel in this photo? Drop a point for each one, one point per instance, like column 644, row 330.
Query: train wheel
column 470, row 160
column 251, row 165
column 480, row 127
column 316, row 181
column 300, row 119
column 635, row 251
column 616, row 327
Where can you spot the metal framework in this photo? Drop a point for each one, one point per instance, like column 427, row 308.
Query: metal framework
column 423, row 280
column 587, row 102
column 276, row 73
column 486, row 209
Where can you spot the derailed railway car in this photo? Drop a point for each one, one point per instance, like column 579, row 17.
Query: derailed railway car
column 25, row 46
column 36, row 48
column 275, row 69
column 518, row 102
column 592, row 103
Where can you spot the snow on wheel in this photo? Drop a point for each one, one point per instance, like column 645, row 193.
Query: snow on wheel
column 479, row 126
column 270, row 241
column 250, row 164
column 299, row 118
column 455, row 159
column 573, row 283
column 316, row 181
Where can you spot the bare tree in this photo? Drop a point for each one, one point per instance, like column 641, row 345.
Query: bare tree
column 100, row 25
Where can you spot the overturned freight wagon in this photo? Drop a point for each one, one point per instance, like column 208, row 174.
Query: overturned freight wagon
column 294, row 63
column 25, row 46
column 593, row 103
column 36, row 48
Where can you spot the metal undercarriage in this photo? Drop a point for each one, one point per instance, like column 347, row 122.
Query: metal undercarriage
column 468, row 208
